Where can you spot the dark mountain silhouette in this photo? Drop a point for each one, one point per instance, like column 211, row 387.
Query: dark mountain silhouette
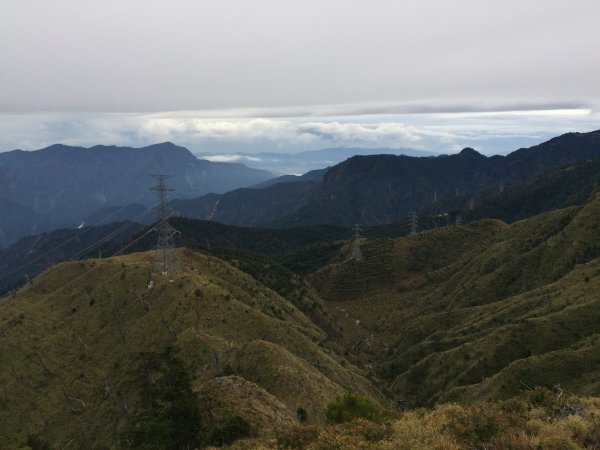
column 380, row 189
column 249, row 207
column 17, row 220
column 559, row 188
column 566, row 186
column 306, row 248
column 313, row 175
column 302, row 162
column 385, row 188
column 62, row 185
column 527, row 163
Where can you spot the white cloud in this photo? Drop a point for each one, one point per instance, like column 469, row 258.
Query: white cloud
column 233, row 129
column 491, row 132
column 280, row 132
column 297, row 132
column 230, row 158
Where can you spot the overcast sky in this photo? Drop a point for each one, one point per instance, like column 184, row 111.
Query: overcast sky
column 277, row 74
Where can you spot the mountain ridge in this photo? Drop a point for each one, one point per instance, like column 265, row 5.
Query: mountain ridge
column 222, row 321
column 572, row 185
column 62, row 184
column 305, row 161
column 379, row 189
column 372, row 190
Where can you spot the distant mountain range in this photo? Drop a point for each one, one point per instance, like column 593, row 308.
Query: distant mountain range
column 301, row 249
column 562, row 187
column 302, row 162
column 62, row 185
column 313, row 175
column 380, row 189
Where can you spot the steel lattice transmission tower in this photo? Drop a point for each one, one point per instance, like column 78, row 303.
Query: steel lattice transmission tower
column 166, row 233
column 414, row 222
column 356, row 253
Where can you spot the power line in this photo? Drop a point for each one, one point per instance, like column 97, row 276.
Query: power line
column 105, row 239
column 64, row 286
column 72, row 238
column 79, row 254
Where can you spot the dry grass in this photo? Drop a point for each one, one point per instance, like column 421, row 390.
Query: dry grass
column 517, row 424
column 66, row 360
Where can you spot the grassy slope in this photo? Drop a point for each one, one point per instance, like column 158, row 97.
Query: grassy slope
column 65, row 359
column 476, row 311
column 453, row 313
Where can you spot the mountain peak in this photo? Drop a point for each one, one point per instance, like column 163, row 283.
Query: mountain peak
column 470, row 152
column 165, row 145
column 55, row 147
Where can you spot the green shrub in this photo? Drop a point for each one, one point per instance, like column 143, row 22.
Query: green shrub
column 350, row 406
column 540, row 397
column 371, row 431
column 476, row 425
column 298, row 437
column 234, row 428
column 168, row 414
column 301, row 414
column 35, row 443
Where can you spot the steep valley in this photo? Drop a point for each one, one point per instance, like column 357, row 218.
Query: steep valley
column 477, row 311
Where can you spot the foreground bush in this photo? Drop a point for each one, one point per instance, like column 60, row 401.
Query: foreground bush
column 537, row 420
column 233, row 429
column 168, row 414
column 351, row 406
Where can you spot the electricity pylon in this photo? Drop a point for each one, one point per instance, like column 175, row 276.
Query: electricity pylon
column 356, row 253
column 413, row 222
column 165, row 242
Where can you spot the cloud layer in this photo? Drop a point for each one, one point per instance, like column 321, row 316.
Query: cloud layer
column 497, row 132
column 289, row 76
column 153, row 55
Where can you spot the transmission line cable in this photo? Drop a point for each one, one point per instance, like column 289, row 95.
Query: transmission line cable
column 62, row 244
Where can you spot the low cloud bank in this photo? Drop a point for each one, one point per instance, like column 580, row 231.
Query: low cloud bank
column 489, row 132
